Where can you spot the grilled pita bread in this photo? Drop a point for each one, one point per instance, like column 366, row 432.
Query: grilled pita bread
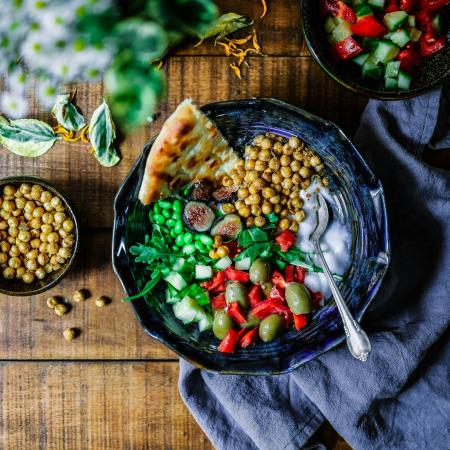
column 188, row 148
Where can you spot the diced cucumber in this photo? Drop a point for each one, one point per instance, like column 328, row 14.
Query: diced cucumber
column 392, row 68
column 415, row 34
column 223, row 263
column 330, row 24
column 188, row 310
column 192, row 260
column 363, row 10
column 341, row 32
column 203, row 298
column 395, row 20
column 205, row 323
column 404, row 80
column 436, row 23
column 243, row 264
column 370, row 43
column 203, row 272
column 193, row 290
column 388, row 35
column 400, row 37
column 412, row 21
column 176, row 280
column 371, row 70
column 385, row 51
column 376, row 4
column 182, row 265
column 390, row 83
column 172, row 294
column 165, row 271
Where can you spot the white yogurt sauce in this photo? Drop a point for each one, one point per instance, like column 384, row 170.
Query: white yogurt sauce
column 335, row 242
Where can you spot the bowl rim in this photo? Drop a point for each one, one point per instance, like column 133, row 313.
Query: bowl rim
column 357, row 87
column 74, row 215
column 116, row 245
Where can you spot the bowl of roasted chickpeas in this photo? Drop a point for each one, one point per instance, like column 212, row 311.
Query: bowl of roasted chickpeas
column 39, row 235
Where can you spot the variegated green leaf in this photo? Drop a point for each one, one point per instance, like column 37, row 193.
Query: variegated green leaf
column 67, row 114
column 225, row 25
column 102, row 133
column 26, row 137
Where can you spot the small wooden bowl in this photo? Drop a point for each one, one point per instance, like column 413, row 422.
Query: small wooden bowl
column 16, row 287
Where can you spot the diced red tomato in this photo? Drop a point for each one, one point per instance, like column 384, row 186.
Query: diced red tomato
column 300, row 321
column 278, row 280
column 233, row 249
column 299, row 274
column 218, row 302
column 391, row 6
column 409, row 59
column 249, row 338
column 277, row 293
column 255, row 295
column 429, row 44
column 229, row 342
column 285, row 240
column 433, row 5
column 216, row 280
column 316, row 298
column 407, row 5
column 235, row 312
column 289, row 273
column 219, row 289
column 236, row 275
column 340, row 10
column 271, row 306
column 369, row 26
column 346, row 49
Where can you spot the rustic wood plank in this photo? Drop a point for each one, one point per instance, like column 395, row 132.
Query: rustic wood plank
column 95, row 406
column 206, row 79
column 30, row 330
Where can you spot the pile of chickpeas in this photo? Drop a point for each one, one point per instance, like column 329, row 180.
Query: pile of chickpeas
column 270, row 179
column 35, row 233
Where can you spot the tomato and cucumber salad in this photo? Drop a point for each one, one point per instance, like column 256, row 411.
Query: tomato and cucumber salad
column 388, row 39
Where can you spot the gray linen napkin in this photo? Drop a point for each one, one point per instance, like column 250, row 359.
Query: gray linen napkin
column 399, row 398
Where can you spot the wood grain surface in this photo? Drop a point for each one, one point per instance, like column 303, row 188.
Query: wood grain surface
column 114, row 387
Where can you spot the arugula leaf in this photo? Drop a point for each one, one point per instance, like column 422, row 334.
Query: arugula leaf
column 252, row 236
column 67, row 114
column 156, row 276
column 224, row 25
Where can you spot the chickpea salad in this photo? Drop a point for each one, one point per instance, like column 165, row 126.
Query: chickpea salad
column 227, row 253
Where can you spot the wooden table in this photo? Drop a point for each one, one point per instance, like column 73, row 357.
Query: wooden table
column 114, row 387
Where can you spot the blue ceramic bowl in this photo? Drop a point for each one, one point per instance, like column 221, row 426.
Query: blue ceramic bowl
column 359, row 195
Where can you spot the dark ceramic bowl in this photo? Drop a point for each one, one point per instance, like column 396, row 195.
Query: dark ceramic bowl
column 433, row 72
column 361, row 203
column 18, row 288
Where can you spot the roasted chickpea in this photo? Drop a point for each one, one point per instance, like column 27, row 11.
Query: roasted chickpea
column 9, row 273
column 296, row 179
column 5, row 246
column 284, row 213
column 242, row 193
column 277, row 209
column 295, row 165
column 264, row 155
column 297, row 202
column 238, row 204
column 35, row 243
column 252, row 190
column 3, row 235
column 3, row 225
column 24, row 247
column 325, row 181
column 287, row 184
column 294, row 227
column 300, row 216
column 266, row 208
column 305, row 184
column 267, row 176
column 61, row 309
column 25, row 188
column 52, row 248
column 277, row 178
column 244, row 211
column 56, row 202
column 48, row 268
column 285, row 192
column 54, row 260
column 11, row 240
column 70, row 334
column 222, row 251
column 65, row 253
column 31, row 265
column 36, row 192
column 9, row 190
column 38, row 212
column 20, row 272
column 56, row 267
column 53, row 237
column 250, row 221
column 28, row 277
column 286, row 172
column 284, row 223
column 277, row 147
column 68, row 225
column 40, row 273
column 46, row 196
column 24, row 236
column 307, row 161
column 275, row 199
column 255, row 210
column 47, row 218
column 43, row 248
column 43, row 259
column 258, row 139
column 268, row 192
column 319, row 168
column 247, row 201
column 294, row 142
column 48, row 206
column 250, row 164
column 14, row 250
column 250, row 176
column 8, row 206
column 227, row 181
column 315, row 161
column 254, row 199
column 14, row 262
column 298, row 155
column 274, row 163
column 20, row 203
column 277, row 188
column 36, row 223
column 266, row 144
column 260, row 166
column 260, row 221
column 213, row 253
column 3, row 258
column 228, row 208
column 259, row 184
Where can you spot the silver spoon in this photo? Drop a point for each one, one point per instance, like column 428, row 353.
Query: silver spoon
column 357, row 340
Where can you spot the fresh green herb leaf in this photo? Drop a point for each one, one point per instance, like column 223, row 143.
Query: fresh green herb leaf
column 67, row 114
column 254, row 251
column 252, row 236
column 154, row 280
column 102, row 133
column 272, row 217
column 225, row 25
column 26, row 137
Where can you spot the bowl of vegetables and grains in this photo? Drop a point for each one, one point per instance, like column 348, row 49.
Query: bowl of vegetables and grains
column 386, row 49
column 212, row 245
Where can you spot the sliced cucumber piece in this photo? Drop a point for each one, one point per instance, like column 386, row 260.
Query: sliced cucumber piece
column 203, row 298
column 188, row 310
column 404, row 80
column 330, row 24
column 243, row 264
column 223, row 263
column 376, row 4
column 172, row 295
column 370, row 43
column 205, row 323
column 388, row 35
column 400, row 37
column 385, row 51
column 412, row 21
column 371, row 69
column 395, row 20
column 341, row 32
column 415, row 34
column 436, row 23
column 182, row 265
column 363, row 10
column 203, row 272
column 390, row 83
column 392, row 69
column 176, row 280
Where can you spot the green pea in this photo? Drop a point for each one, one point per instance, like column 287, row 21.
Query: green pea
column 206, row 240
column 177, row 206
column 165, row 204
column 178, row 227
column 199, row 246
column 188, row 249
column 173, row 234
column 159, row 219
column 197, row 237
column 179, row 240
column 176, row 216
column 166, row 213
column 156, row 209
column 188, row 238
column 176, row 249
column 164, row 230
column 171, row 223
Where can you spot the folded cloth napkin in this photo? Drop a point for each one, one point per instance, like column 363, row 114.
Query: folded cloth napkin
column 400, row 397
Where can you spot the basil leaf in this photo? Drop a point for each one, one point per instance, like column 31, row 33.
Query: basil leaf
column 67, row 114
column 254, row 251
column 225, row 25
column 26, row 137
column 251, row 236
column 102, row 133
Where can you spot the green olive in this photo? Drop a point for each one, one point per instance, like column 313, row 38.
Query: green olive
column 298, row 298
column 221, row 324
column 270, row 327
column 252, row 321
column 267, row 287
column 259, row 271
column 236, row 292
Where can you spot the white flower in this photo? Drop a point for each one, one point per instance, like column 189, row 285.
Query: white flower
column 35, row 50
column 56, row 22
column 17, row 81
column 14, row 105
column 47, row 92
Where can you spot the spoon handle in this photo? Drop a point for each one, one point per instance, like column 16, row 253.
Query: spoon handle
column 357, row 340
